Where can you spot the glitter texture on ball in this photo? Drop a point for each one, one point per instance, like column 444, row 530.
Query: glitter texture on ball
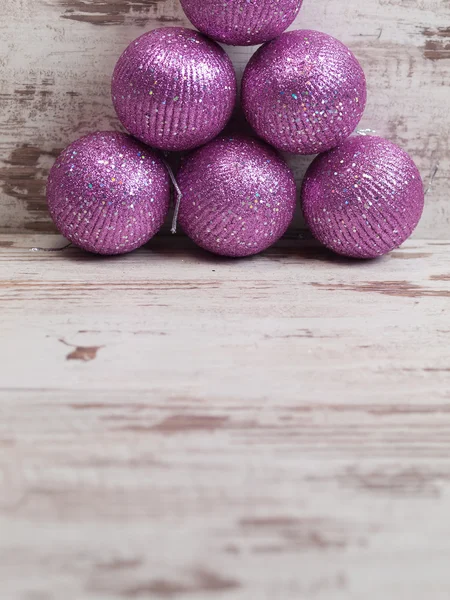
column 241, row 22
column 239, row 196
column 304, row 92
column 108, row 193
column 174, row 89
column 364, row 198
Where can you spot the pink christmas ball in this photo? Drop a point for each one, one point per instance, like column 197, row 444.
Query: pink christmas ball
column 241, row 22
column 364, row 198
column 304, row 92
column 239, row 196
column 174, row 89
column 108, row 193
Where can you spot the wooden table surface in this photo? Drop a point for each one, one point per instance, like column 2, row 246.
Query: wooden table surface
column 174, row 425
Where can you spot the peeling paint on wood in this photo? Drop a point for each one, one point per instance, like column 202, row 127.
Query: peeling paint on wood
column 437, row 45
column 202, row 582
column 111, row 12
column 24, row 177
column 401, row 289
column 409, row 255
column 83, row 353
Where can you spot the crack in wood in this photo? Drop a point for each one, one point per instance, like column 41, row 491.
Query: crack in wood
column 200, row 581
column 413, row 481
column 400, row 289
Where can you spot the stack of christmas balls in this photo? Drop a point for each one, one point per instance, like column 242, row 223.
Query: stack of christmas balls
column 174, row 89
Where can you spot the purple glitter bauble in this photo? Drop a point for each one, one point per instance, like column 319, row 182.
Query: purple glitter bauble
column 174, row 89
column 305, row 92
column 241, row 22
column 238, row 196
column 364, row 198
column 108, row 193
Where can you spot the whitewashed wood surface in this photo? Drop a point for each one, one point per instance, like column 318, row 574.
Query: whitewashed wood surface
column 57, row 56
column 174, row 425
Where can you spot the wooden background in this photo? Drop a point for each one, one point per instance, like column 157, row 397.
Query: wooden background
column 57, row 57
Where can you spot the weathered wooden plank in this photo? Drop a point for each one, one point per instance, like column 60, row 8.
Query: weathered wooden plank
column 172, row 291
column 174, row 425
column 58, row 56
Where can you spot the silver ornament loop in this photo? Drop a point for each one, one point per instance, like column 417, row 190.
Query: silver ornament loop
column 179, row 195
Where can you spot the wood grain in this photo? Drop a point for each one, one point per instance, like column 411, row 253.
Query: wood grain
column 57, row 57
column 175, row 425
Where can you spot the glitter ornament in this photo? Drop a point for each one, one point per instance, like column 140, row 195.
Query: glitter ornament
column 239, row 196
column 174, row 89
column 364, row 198
column 241, row 22
column 108, row 193
column 304, row 92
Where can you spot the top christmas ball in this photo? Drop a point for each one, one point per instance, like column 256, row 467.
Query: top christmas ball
column 174, row 89
column 304, row 92
column 241, row 22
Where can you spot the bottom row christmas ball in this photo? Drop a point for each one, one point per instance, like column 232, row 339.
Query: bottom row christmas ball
column 363, row 198
column 108, row 193
column 239, row 196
